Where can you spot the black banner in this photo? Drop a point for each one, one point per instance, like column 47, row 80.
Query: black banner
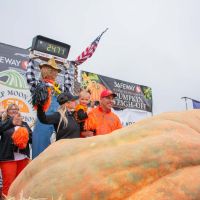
column 129, row 95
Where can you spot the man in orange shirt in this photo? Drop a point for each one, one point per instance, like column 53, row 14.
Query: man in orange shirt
column 101, row 120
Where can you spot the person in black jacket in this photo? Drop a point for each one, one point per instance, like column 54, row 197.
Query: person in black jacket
column 14, row 155
column 65, row 124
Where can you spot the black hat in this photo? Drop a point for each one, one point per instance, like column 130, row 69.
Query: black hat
column 65, row 97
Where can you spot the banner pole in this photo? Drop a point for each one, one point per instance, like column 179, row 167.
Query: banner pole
column 186, row 106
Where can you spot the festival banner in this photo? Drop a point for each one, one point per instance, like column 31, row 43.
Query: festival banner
column 13, row 85
column 133, row 101
column 129, row 95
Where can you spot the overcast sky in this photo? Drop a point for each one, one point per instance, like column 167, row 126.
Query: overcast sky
column 149, row 42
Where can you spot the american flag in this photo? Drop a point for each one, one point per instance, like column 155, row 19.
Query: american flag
column 88, row 52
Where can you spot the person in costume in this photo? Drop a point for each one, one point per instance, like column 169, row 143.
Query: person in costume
column 44, row 92
column 16, row 136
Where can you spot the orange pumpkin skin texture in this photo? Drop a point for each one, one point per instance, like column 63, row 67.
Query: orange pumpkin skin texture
column 155, row 159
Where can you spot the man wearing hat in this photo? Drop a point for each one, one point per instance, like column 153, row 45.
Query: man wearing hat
column 44, row 92
column 101, row 120
column 64, row 122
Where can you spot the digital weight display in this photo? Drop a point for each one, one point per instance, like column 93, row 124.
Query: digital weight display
column 49, row 46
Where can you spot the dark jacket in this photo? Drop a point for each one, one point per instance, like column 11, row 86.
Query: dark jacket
column 7, row 148
column 72, row 130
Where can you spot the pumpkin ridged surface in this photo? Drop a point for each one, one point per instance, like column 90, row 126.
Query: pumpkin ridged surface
column 130, row 163
column 184, row 183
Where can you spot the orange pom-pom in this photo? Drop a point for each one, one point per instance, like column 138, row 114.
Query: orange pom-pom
column 47, row 103
column 81, row 107
column 20, row 137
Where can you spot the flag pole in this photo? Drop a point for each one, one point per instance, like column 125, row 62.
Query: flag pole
column 185, row 98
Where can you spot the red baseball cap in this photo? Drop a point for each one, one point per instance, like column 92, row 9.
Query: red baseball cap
column 106, row 93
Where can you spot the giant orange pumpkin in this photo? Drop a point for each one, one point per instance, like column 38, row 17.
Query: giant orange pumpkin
column 154, row 159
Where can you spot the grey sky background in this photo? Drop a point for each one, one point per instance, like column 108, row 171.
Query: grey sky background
column 149, row 42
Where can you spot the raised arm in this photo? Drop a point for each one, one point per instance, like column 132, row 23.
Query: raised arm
column 47, row 119
column 10, row 123
column 30, row 75
column 67, row 81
